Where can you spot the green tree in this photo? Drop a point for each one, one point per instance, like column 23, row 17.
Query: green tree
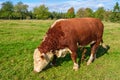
column 20, row 10
column 88, row 12
column 30, row 15
column 41, row 12
column 100, row 13
column 116, row 7
column 115, row 16
column 6, row 10
column 57, row 15
column 84, row 12
column 107, row 15
column 70, row 13
column 80, row 13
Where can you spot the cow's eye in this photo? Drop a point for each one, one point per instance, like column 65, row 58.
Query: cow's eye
column 42, row 57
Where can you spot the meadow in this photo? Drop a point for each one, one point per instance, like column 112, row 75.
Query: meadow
column 19, row 38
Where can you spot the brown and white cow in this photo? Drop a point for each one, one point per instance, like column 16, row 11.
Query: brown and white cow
column 64, row 36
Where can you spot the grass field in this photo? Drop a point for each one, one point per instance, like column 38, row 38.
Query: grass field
column 18, row 39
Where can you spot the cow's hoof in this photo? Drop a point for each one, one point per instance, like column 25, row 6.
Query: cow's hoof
column 88, row 63
column 75, row 67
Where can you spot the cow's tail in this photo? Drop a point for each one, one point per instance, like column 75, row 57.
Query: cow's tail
column 103, row 45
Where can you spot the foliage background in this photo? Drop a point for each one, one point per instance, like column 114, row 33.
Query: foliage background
column 20, row 11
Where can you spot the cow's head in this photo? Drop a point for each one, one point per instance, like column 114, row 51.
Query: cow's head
column 41, row 60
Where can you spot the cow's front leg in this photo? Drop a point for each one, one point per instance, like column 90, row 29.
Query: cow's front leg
column 54, row 60
column 74, row 56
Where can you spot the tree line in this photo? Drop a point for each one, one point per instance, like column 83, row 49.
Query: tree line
column 20, row 11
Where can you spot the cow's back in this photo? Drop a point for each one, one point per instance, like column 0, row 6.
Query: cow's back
column 82, row 30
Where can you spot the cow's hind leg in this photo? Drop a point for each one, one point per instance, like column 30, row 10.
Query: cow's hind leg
column 84, row 50
column 94, row 48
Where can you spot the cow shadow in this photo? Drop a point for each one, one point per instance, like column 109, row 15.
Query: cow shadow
column 100, row 52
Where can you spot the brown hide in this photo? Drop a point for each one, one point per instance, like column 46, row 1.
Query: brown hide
column 51, row 40
column 69, row 32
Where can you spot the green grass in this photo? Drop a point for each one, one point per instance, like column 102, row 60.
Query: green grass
column 18, row 39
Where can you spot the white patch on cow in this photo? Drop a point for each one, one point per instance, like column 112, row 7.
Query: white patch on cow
column 41, row 60
column 56, row 22
column 92, row 42
column 62, row 52
column 90, row 59
column 75, row 67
